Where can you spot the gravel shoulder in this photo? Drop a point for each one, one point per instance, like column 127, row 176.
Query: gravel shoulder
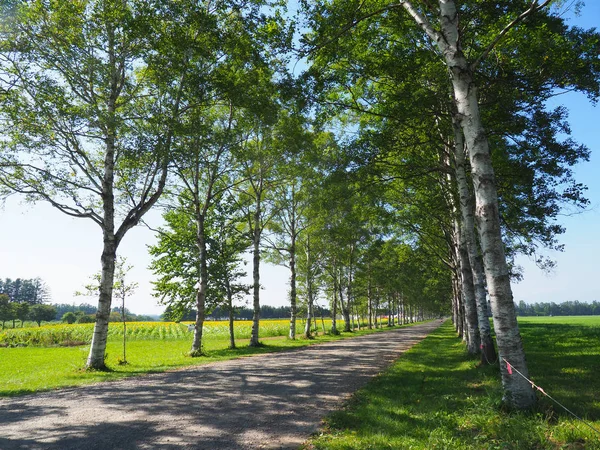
column 266, row 401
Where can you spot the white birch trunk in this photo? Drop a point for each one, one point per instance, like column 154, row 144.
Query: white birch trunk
column 334, row 329
column 488, row 351
column 95, row 358
column 462, row 272
column 202, row 285
column 292, row 334
column 310, row 291
column 231, row 318
column 256, row 276
column 109, row 252
column 370, row 301
column 468, row 295
column 518, row 392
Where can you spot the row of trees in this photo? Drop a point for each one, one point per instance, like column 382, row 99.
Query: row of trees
column 241, row 313
column 13, row 311
column 369, row 176
column 31, row 291
column 569, row 308
column 419, row 80
column 85, row 313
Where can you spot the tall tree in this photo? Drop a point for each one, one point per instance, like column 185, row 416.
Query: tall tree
column 256, row 201
column 87, row 128
column 176, row 260
column 291, row 198
column 228, row 52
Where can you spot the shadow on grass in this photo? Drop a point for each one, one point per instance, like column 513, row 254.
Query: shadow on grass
column 564, row 360
column 436, row 396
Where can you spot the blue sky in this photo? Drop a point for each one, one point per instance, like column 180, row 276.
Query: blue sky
column 578, row 267
column 38, row 241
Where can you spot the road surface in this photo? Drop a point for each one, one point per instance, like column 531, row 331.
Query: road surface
column 266, row 401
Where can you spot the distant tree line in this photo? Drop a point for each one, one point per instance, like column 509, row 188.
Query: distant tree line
column 570, row 308
column 11, row 311
column 241, row 313
column 86, row 313
column 32, row 291
column 22, row 299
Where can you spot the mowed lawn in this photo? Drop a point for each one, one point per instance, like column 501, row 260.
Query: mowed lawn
column 151, row 347
column 436, row 396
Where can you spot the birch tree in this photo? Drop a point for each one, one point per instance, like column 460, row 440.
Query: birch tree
column 299, row 159
column 176, row 260
column 86, row 128
column 256, row 203
column 433, row 36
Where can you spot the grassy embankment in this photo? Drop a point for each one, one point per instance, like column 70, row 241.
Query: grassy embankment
column 35, row 363
column 435, row 396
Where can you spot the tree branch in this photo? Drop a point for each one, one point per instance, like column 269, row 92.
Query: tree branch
column 532, row 9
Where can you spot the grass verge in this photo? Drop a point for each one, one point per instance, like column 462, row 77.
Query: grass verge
column 435, row 397
column 25, row 370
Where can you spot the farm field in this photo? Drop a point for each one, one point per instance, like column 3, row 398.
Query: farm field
column 436, row 396
column 57, row 334
column 151, row 347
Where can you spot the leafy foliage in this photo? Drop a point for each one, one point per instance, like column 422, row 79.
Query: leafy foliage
column 42, row 313
column 32, row 291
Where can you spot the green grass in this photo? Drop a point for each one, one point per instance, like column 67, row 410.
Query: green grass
column 31, row 369
column 436, row 396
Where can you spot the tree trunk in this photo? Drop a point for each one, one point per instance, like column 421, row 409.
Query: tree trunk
column 349, row 292
column 124, row 328
column 344, row 308
column 231, row 318
column 357, row 312
column 310, row 291
column 308, row 323
column 376, row 310
column 488, row 351
column 518, row 392
column 468, row 295
column 110, row 242
column 370, row 301
column 334, row 329
column 98, row 347
column 454, row 308
column 202, row 285
column 256, row 277
column 292, row 334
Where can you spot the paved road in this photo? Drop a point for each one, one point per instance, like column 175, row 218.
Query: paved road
column 266, row 401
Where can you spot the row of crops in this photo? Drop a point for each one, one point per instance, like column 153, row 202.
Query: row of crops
column 63, row 334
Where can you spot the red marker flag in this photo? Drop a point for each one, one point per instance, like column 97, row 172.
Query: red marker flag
column 509, row 368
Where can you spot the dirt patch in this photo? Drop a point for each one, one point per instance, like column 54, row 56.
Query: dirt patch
column 269, row 401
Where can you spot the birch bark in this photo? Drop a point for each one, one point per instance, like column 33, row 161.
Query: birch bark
column 230, row 308
column 309, row 289
column 518, row 392
column 468, row 294
column 292, row 334
column 488, row 351
column 202, row 283
column 256, row 274
column 334, row 329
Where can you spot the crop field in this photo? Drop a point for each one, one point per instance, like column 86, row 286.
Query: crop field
column 64, row 334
